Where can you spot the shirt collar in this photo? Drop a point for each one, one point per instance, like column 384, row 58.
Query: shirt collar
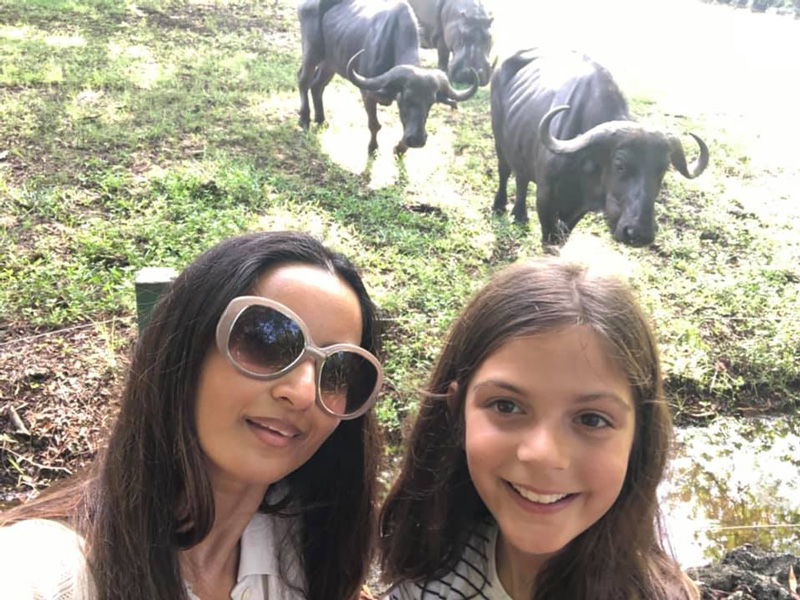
column 260, row 541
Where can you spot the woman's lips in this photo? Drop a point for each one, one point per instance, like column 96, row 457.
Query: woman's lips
column 273, row 432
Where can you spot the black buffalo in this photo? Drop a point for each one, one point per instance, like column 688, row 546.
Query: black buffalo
column 375, row 44
column 560, row 120
column 460, row 28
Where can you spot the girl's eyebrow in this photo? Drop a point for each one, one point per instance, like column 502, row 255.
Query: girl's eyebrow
column 498, row 383
column 580, row 400
column 605, row 395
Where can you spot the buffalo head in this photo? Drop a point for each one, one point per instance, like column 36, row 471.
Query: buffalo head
column 415, row 89
column 624, row 164
column 471, row 44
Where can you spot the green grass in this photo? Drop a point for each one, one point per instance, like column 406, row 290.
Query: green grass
column 140, row 135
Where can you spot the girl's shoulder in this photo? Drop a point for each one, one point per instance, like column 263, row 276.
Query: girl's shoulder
column 473, row 576
column 41, row 558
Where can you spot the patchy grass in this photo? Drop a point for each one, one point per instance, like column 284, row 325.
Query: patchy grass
column 140, row 134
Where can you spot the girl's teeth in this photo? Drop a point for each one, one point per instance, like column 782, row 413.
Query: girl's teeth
column 538, row 498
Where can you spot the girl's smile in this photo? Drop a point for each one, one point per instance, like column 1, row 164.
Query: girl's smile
column 540, row 502
column 549, row 427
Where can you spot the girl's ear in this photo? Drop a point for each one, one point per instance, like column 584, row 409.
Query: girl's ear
column 452, row 398
column 456, row 415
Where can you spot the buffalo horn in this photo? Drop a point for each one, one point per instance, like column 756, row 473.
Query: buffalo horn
column 598, row 134
column 454, row 94
column 381, row 82
column 679, row 158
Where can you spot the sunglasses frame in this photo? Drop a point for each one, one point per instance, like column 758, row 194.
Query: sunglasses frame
column 236, row 308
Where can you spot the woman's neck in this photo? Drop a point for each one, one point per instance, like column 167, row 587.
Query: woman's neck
column 210, row 567
column 516, row 570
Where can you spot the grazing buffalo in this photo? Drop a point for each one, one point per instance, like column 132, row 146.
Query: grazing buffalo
column 560, row 120
column 460, row 28
column 375, row 44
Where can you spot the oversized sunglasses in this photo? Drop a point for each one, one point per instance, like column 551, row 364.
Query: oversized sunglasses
column 264, row 339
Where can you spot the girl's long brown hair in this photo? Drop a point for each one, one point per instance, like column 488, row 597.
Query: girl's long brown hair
column 148, row 495
column 433, row 505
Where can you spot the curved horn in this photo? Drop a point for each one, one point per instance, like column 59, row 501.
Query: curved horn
column 454, row 94
column 598, row 134
column 678, row 158
column 373, row 84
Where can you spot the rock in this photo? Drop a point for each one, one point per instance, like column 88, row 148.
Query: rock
column 746, row 573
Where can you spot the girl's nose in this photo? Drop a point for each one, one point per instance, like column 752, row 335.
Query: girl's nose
column 545, row 445
column 298, row 387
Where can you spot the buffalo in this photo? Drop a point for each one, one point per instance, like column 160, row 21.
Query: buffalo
column 374, row 44
column 460, row 28
column 561, row 121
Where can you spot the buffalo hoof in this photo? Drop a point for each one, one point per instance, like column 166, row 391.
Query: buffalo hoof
column 499, row 206
column 304, row 123
column 521, row 220
column 372, row 150
column 551, row 249
column 400, row 149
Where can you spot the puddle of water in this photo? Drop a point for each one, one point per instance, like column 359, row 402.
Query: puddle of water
column 733, row 482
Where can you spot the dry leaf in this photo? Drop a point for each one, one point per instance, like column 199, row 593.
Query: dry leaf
column 792, row 580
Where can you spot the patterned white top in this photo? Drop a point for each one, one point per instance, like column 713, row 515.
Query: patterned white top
column 474, row 576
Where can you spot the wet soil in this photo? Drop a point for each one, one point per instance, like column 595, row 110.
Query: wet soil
column 747, row 573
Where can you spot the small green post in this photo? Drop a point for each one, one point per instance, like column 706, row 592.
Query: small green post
column 150, row 283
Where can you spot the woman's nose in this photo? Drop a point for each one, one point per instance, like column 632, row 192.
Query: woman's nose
column 545, row 445
column 298, row 387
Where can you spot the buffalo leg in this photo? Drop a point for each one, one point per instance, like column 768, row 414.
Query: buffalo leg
column 520, row 210
column 567, row 226
column 501, row 197
column 548, row 217
column 304, row 77
column 371, row 106
column 444, row 53
column 321, row 79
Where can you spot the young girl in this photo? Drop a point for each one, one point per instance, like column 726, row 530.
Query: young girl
column 532, row 468
column 243, row 461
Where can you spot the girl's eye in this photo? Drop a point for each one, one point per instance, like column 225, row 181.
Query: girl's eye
column 594, row 421
column 504, row 406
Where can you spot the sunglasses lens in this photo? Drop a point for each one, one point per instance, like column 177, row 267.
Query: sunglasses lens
column 347, row 381
column 264, row 340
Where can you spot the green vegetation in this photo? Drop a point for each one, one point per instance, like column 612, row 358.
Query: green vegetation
column 140, row 134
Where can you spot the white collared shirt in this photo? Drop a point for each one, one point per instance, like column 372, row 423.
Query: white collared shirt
column 266, row 540
column 43, row 560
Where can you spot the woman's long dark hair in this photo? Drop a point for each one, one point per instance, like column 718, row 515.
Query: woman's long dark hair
column 433, row 505
column 148, row 493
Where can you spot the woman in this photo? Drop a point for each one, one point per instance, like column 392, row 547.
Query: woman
column 243, row 461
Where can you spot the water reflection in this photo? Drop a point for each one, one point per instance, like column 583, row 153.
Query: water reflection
column 733, row 482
